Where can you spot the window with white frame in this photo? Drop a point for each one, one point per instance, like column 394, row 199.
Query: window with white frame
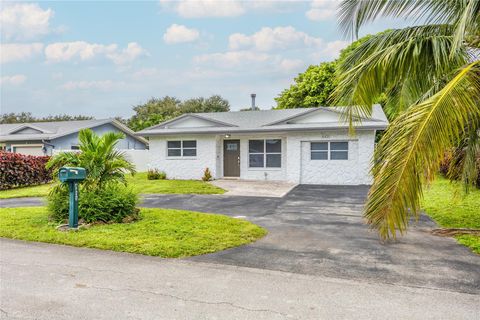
column 182, row 148
column 265, row 153
column 337, row 150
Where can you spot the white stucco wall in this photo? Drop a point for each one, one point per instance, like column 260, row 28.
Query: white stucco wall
column 296, row 164
column 354, row 171
column 188, row 167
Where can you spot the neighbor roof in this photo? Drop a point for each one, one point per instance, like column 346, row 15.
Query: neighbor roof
column 264, row 121
column 56, row 129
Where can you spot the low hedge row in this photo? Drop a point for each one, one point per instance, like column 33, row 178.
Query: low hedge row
column 19, row 170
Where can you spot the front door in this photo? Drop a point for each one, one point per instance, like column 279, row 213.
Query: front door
column 231, row 158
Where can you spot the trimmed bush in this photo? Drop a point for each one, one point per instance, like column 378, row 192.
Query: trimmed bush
column 155, row 174
column 111, row 203
column 19, row 170
column 207, row 175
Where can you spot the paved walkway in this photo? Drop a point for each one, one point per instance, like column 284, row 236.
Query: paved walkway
column 254, row 188
column 319, row 230
column 44, row 281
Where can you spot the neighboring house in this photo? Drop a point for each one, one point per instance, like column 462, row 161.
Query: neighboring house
column 310, row 146
column 41, row 138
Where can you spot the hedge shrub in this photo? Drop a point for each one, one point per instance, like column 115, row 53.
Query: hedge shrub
column 113, row 202
column 155, row 174
column 19, row 170
column 451, row 172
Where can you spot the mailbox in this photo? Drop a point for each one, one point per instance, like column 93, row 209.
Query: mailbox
column 72, row 174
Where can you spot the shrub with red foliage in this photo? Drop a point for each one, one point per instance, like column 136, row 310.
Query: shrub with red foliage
column 19, row 170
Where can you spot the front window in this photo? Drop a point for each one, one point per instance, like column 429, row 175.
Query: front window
column 265, row 153
column 185, row 148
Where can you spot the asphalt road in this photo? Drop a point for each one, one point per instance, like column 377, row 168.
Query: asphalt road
column 43, row 281
column 319, row 230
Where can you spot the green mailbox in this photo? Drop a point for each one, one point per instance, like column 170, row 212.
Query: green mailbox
column 72, row 176
column 67, row 174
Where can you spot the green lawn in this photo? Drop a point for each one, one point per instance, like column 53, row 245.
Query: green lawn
column 160, row 232
column 143, row 185
column 35, row 191
column 139, row 182
column 450, row 208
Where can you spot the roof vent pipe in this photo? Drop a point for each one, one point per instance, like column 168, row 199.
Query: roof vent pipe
column 253, row 95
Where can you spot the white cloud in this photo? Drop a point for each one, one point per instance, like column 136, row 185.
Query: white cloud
column 81, row 50
column 245, row 62
column 180, row 34
column 290, row 65
column 331, row 50
column 24, row 21
column 11, row 52
column 103, row 85
column 15, row 80
column 232, row 59
column 268, row 39
column 127, row 55
column 206, row 8
column 321, row 10
column 226, row 8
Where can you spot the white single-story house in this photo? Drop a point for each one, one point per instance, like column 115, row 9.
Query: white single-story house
column 308, row 146
column 42, row 138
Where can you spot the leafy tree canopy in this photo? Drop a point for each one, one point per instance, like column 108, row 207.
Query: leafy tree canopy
column 28, row 117
column 157, row 110
column 314, row 87
column 311, row 88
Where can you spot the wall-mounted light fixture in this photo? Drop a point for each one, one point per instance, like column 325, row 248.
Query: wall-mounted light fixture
column 228, row 135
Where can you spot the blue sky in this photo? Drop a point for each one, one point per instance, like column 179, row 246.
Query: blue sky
column 101, row 58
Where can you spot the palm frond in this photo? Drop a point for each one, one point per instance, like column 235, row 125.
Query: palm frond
column 99, row 156
column 405, row 63
column 353, row 14
column 467, row 24
column 409, row 152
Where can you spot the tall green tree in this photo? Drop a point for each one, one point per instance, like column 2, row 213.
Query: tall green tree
column 315, row 86
column 312, row 88
column 158, row 110
column 431, row 74
column 99, row 156
column 154, row 111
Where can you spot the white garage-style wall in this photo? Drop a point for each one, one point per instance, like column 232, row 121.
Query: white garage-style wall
column 353, row 171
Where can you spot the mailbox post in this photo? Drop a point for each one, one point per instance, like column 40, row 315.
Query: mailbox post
column 72, row 176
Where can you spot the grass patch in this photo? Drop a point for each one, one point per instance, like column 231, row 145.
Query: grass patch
column 445, row 202
column 161, row 232
column 34, row 191
column 139, row 182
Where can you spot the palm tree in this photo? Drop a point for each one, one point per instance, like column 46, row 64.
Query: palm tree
column 98, row 156
column 430, row 74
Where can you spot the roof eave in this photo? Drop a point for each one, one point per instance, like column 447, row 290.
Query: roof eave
column 262, row 130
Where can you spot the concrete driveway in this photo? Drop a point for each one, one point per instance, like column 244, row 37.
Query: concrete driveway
column 319, row 230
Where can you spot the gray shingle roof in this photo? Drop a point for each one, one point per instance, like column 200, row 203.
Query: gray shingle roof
column 264, row 121
column 55, row 129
